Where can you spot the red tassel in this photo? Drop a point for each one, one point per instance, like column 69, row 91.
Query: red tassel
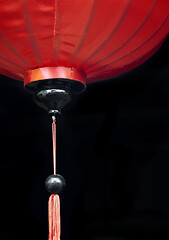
column 54, row 217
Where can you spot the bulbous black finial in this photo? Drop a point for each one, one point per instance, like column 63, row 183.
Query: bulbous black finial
column 55, row 184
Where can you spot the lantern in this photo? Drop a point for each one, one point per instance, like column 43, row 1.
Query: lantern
column 96, row 39
column 58, row 46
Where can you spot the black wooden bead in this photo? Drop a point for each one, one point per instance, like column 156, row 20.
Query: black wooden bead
column 55, row 184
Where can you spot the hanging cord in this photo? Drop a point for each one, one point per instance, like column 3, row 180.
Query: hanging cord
column 54, row 200
column 54, row 142
column 55, row 184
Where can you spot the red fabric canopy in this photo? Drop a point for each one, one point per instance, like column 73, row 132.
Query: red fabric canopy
column 98, row 39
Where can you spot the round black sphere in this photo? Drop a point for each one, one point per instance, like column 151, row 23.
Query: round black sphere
column 55, row 184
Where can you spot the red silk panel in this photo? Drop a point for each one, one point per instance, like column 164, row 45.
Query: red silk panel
column 100, row 38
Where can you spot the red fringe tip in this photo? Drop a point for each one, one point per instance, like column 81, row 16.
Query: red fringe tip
column 54, row 217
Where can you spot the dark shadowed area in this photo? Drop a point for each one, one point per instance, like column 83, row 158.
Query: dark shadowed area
column 112, row 149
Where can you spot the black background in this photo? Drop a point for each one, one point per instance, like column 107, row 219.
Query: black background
column 112, row 149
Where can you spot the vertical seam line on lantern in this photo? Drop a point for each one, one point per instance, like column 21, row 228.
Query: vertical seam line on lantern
column 9, row 61
column 30, row 31
column 8, row 67
column 86, row 30
column 111, row 35
column 9, row 45
column 57, row 26
column 133, row 50
column 131, row 36
column 20, row 75
column 116, row 75
column 101, row 78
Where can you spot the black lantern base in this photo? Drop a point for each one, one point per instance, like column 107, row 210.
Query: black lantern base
column 54, row 94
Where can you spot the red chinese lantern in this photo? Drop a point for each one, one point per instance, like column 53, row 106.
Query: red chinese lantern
column 95, row 39
column 57, row 46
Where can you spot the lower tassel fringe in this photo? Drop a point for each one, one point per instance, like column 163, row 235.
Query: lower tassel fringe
column 54, row 217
